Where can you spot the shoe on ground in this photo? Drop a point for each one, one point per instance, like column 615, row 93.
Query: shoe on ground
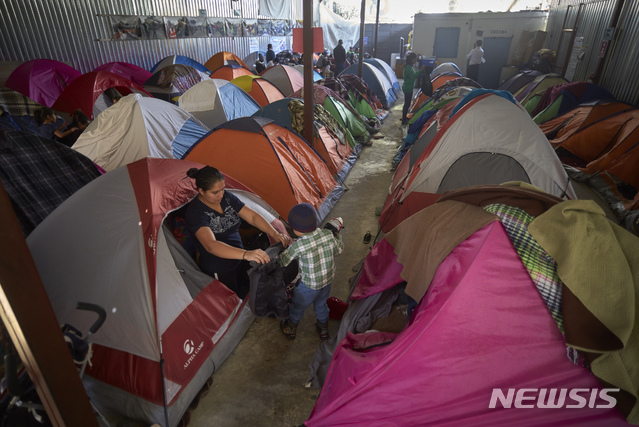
column 288, row 329
column 322, row 330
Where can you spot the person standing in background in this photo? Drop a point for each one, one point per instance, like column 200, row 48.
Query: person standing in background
column 475, row 59
column 410, row 75
column 270, row 54
column 339, row 53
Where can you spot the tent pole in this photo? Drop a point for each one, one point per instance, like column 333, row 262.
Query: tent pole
column 376, row 29
column 361, row 40
column 308, row 71
column 166, row 404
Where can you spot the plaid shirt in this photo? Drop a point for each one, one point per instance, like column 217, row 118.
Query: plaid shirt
column 540, row 265
column 39, row 175
column 16, row 103
column 315, row 253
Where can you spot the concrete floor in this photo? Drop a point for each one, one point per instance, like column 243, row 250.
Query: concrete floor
column 262, row 381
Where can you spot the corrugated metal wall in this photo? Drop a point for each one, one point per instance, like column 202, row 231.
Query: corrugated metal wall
column 621, row 70
column 78, row 31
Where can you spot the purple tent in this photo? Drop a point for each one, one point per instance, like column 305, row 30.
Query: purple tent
column 480, row 334
column 132, row 72
column 42, row 80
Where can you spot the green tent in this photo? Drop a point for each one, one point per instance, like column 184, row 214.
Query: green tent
column 353, row 124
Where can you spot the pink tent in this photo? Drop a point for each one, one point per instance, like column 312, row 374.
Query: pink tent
column 42, row 79
column 132, row 72
column 479, row 335
column 85, row 90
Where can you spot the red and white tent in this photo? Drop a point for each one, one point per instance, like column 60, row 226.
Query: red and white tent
column 487, row 139
column 168, row 325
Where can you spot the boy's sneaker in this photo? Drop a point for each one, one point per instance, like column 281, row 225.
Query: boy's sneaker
column 322, row 330
column 288, row 329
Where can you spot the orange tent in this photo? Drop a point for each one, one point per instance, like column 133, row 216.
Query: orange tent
column 566, row 125
column 289, row 113
column 594, row 137
column 275, row 163
column 229, row 72
column 420, row 98
column 339, row 157
column 602, row 139
column 622, row 159
column 261, row 90
column 443, row 86
column 443, row 78
column 223, row 58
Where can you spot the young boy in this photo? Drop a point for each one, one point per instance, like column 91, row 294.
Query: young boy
column 315, row 251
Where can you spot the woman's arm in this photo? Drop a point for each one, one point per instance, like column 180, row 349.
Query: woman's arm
column 220, row 249
column 258, row 221
column 65, row 133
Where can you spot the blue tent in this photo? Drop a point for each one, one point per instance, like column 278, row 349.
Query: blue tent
column 316, row 76
column 376, row 81
column 388, row 72
column 277, row 111
column 179, row 59
column 216, row 101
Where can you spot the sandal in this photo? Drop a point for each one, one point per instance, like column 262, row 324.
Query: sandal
column 288, row 329
column 322, row 329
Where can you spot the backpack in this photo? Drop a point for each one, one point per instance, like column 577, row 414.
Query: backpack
column 267, row 293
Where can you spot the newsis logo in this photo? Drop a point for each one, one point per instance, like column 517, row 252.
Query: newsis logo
column 553, row 398
column 192, row 351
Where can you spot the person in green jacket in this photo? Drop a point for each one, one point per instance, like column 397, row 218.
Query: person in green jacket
column 410, row 75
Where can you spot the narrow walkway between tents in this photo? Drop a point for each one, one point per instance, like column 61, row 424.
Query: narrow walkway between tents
column 262, row 382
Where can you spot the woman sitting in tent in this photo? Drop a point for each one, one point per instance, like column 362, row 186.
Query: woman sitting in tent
column 79, row 122
column 50, row 126
column 214, row 218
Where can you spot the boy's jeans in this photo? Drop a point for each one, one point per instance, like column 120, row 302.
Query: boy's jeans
column 303, row 297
